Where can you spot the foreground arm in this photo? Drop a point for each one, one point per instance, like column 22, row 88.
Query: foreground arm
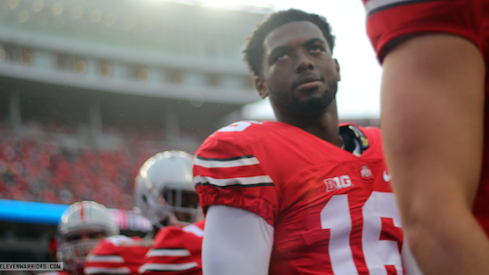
column 236, row 242
column 432, row 119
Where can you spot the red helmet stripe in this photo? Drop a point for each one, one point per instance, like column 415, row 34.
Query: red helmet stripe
column 82, row 212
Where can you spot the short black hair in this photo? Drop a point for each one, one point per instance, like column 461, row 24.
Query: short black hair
column 253, row 53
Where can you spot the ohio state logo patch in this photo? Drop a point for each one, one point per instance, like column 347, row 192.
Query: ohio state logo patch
column 366, row 173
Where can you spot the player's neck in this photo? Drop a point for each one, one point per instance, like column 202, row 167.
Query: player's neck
column 324, row 126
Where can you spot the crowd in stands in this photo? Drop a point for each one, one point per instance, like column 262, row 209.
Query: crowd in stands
column 38, row 166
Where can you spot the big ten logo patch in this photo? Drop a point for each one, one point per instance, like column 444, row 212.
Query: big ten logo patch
column 337, row 183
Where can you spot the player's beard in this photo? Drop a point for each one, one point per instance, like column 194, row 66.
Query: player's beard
column 310, row 107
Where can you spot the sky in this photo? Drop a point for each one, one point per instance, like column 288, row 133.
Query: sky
column 359, row 89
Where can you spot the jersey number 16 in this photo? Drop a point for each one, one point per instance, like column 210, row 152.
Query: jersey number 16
column 336, row 217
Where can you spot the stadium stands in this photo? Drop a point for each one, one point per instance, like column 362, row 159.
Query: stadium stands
column 38, row 165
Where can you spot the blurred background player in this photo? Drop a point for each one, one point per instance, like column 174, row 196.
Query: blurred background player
column 434, row 120
column 165, row 194
column 303, row 195
column 82, row 226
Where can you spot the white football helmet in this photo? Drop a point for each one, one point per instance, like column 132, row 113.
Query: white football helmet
column 164, row 190
column 81, row 227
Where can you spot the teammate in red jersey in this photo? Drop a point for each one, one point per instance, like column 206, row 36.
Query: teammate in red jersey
column 81, row 227
column 435, row 115
column 117, row 255
column 176, row 251
column 165, row 194
column 302, row 195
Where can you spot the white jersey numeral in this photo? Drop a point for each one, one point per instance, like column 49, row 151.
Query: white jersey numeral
column 238, row 126
column 376, row 4
column 338, row 221
column 336, row 217
column 380, row 252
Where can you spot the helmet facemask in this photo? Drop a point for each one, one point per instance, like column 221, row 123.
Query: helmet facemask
column 164, row 190
column 183, row 203
column 75, row 247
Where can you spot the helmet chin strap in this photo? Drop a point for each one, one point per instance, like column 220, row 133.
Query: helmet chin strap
column 173, row 219
column 169, row 219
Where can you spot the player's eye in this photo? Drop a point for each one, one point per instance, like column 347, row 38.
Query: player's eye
column 73, row 238
column 281, row 56
column 96, row 235
column 317, row 48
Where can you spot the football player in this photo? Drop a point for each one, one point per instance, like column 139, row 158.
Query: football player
column 434, row 116
column 302, row 195
column 82, row 226
column 165, row 195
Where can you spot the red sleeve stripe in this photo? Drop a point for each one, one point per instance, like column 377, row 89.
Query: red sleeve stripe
column 374, row 6
column 225, row 163
column 168, row 253
column 166, row 267
column 104, row 259
column 244, row 181
column 194, row 230
column 107, row 270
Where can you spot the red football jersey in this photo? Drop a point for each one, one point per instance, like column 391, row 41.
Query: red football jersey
column 392, row 19
column 332, row 212
column 117, row 255
column 176, row 251
column 389, row 20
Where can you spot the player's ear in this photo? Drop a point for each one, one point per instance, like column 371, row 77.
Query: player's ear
column 337, row 69
column 261, row 86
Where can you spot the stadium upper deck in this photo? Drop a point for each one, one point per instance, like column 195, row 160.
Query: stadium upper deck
column 89, row 89
column 185, row 57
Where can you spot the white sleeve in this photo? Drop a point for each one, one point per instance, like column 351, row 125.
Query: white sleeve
column 236, row 242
